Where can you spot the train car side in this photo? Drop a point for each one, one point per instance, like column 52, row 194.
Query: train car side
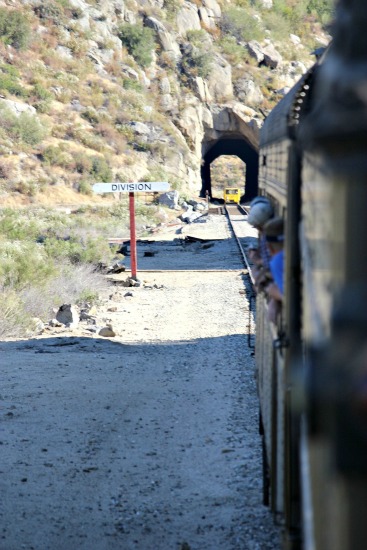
column 312, row 373
column 279, row 179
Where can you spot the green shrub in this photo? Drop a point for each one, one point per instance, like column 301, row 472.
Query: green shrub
column 50, row 11
column 139, row 42
column 322, row 8
column 197, row 57
column 240, row 23
column 9, row 81
column 246, row 3
column 9, row 84
column 16, row 228
column 296, row 12
column 13, row 319
column 82, row 163
column 130, row 84
column 38, row 276
column 89, row 295
column 93, row 168
column 293, row 10
column 197, row 38
column 75, row 250
column 234, row 51
column 14, row 28
column 65, row 4
column 100, row 170
column 29, row 129
column 24, row 128
column 85, row 188
column 55, row 156
column 87, row 138
column 90, row 115
column 23, row 263
column 197, row 63
column 42, row 98
column 29, row 188
column 40, row 92
column 125, row 131
column 171, row 7
column 67, row 249
column 277, row 24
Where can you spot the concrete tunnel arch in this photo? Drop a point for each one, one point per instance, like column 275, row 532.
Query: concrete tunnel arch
column 231, row 145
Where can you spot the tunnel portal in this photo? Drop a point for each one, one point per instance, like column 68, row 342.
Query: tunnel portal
column 231, row 145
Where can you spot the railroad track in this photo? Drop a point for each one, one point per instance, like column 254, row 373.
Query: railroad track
column 245, row 236
column 237, row 216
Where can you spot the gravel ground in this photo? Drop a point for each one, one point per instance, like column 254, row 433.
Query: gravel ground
column 148, row 440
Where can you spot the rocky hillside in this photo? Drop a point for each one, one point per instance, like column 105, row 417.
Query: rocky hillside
column 106, row 90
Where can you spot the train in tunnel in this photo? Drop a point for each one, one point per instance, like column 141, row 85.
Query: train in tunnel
column 311, row 362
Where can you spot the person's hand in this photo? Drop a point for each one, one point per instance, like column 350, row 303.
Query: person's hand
column 254, row 255
column 272, row 290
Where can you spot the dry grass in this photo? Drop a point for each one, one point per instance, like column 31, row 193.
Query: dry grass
column 73, row 284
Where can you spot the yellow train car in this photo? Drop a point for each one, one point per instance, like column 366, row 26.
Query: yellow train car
column 232, row 195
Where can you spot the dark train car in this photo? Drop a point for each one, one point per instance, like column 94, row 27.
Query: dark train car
column 278, row 345
column 312, row 363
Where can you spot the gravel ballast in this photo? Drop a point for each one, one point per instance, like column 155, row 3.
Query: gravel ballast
column 149, row 439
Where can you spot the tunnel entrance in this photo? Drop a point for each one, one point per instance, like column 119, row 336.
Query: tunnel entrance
column 232, row 146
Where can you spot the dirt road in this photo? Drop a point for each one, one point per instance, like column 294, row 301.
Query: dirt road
column 148, row 440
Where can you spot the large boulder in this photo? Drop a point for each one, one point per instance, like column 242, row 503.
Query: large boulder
column 201, row 88
column 255, row 51
column 165, row 85
column 166, row 39
column 169, row 45
column 206, row 19
column 210, row 13
column 68, row 315
column 248, row 92
column 190, row 124
column 272, row 57
column 188, row 19
column 169, row 199
column 220, row 79
column 18, row 108
column 213, row 7
column 266, row 4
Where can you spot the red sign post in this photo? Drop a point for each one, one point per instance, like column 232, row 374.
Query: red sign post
column 133, row 258
column 131, row 188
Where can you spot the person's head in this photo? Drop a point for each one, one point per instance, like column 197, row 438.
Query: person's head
column 274, row 234
column 261, row 210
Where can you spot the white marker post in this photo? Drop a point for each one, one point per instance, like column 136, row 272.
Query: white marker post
column 131, row 188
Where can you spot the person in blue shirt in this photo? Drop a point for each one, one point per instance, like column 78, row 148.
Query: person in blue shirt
column 274, row 235
column 261, row 210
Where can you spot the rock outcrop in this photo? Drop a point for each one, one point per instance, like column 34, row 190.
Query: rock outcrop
column 157, row 112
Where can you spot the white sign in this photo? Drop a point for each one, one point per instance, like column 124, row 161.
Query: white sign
column 133, row 187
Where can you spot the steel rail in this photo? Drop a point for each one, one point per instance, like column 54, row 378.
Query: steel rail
column 251, row 293
column 242, row 251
